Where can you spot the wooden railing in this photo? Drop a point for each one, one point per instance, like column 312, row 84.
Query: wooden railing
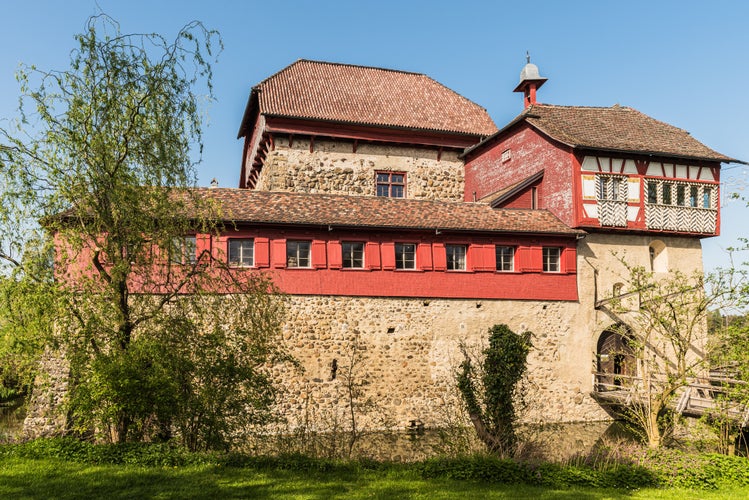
column 699, row 396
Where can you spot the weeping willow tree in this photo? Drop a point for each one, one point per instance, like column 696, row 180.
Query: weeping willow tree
column 99, row 169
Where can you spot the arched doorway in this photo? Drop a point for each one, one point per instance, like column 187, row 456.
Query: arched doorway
column 616, row 359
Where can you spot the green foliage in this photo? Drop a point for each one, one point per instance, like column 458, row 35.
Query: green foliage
column 103, row 158
column 493, row 408
column 659, row 468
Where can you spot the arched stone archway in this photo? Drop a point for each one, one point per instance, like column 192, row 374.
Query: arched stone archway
column 616, row 359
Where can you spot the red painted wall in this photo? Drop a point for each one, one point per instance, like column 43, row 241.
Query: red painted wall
column 430, row 280
column 530, row 152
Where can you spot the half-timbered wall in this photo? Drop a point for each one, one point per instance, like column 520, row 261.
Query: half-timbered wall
column 649, row 195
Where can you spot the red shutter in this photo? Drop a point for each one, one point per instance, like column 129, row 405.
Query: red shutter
column 569, row 260
column 318, row 254
column 203, row 246
column 440, row 256
column 372, row 255
column 534, row 260
column 523, row 259
column 481, row 258
column 262, row 252
column 387, row 252
column 424, row 256
column 335, row 255
column 278, row 253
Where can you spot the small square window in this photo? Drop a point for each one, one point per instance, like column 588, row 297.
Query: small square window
column 297, row 253
column 456, row 257
column 241, row 252
column 353, row 255
column 505, row 258
column 405, row 256
column 551, row 259
column 391, row 184
column 183, row 250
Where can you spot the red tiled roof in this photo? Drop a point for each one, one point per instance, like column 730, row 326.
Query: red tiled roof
column 267, row 207
column 616, row 128
column 370, row 96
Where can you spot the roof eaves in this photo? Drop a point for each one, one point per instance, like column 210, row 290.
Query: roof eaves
column 373, row 124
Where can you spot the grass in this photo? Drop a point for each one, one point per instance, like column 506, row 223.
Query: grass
column 22, row 478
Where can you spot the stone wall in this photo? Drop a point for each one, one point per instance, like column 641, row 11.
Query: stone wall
column 406, row 351
column 398, row 356
column 333, row 167
column 45, row 416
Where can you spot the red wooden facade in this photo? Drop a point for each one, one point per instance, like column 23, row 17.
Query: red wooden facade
column 429, row 279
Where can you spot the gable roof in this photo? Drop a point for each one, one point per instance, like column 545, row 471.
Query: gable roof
column 367, row 96
column 616, row 129
column 267, row 207
column 496, row 198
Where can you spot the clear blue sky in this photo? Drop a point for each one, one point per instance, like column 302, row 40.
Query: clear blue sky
column 684, row 62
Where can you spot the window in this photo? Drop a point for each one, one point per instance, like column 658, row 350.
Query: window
column 241, row 252
column 456, row 257
column 681, row 190
column 652, row 192
column 609, row 187
column 706, row 201
column 183, row 250
column 405, row 256
column 353, row 255
column 658, row 257
column 693, row 196
column 297, row 253
column 551, row 259
column 505, row 258
column 666, row 193
column 391, row 184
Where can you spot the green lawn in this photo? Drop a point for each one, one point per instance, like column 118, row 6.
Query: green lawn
column 48, row 478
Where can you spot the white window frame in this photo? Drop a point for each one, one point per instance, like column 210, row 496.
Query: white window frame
column 505, row 262
column 456, row 257
column 552, row 257
column 241, row 252
column 405, row 259
column 298, row 254
column 352, row 253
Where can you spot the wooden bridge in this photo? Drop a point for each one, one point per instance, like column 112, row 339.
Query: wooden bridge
column 699, row 397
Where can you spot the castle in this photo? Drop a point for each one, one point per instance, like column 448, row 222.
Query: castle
column 402, row 223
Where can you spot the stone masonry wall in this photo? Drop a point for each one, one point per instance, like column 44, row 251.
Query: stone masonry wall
column 401, row 354
column 407, row 350
column 334, row 168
